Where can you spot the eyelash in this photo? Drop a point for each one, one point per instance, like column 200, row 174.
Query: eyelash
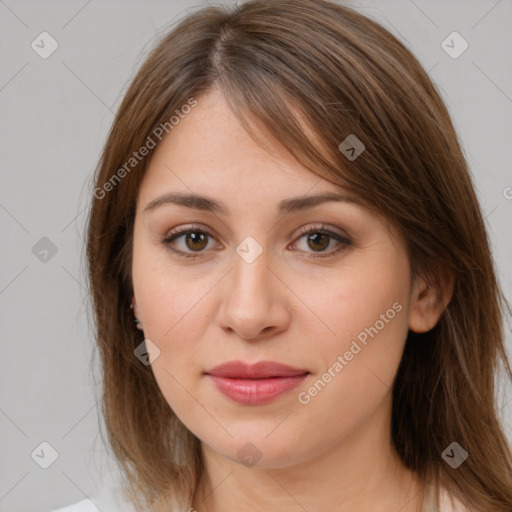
column 179, row 232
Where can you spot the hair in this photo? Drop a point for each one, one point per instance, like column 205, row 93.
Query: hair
column 310, row 73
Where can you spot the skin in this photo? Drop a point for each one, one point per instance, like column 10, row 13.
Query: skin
column 333, row 453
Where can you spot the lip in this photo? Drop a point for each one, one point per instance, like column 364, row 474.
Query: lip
column 255, row 384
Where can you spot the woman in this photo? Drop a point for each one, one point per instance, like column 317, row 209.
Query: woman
column 295, row 300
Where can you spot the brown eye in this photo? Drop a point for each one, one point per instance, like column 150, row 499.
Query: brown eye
column 319, row 239
column 192, row 240
column 195, row 241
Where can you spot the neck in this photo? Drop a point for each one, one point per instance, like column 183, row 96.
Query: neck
column 359, row 473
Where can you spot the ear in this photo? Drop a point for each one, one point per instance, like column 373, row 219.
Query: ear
column 428, row 301
column 136, row 313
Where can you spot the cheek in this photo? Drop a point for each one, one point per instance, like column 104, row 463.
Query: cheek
column 175, row 310
column 174, row 318
column 167, row 297
column 367, row 340
column 358, row 371
column 361, row 301
column 366, row 313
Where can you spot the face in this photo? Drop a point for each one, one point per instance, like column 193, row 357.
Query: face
column 323, row 289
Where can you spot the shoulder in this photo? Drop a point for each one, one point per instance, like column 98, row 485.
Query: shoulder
column 109, row 499
column 87, row 505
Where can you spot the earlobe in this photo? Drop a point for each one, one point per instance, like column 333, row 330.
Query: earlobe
column 428, row 303
column 133, row 306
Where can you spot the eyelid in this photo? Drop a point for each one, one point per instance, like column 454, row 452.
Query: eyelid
column 319, row 227
column 175, row 233
column 342, row 239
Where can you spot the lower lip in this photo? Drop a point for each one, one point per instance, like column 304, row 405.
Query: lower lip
column 256, row 391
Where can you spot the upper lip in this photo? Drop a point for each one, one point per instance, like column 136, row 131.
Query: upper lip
column 259, row 370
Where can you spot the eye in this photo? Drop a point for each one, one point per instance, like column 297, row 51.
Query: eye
column 319, row 238
column 194, row 237
column 195, row 240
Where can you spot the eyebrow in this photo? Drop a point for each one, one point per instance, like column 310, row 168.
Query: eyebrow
column 208, row 204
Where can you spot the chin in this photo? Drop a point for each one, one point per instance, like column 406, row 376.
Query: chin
column 258, row 451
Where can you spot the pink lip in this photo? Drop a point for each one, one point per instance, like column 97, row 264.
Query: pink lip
column 253, row 384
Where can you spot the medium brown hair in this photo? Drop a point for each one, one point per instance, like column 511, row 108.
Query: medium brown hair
column 299, row 68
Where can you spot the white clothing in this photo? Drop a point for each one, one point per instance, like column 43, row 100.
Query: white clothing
column 112, row 501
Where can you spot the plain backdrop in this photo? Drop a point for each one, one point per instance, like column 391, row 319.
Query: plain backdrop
column 55, row 115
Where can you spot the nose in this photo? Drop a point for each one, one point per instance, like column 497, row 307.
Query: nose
column 254, row 302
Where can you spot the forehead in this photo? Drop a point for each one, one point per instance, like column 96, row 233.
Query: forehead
column 210, row 152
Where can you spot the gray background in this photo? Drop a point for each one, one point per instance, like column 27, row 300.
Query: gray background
column 55, row 116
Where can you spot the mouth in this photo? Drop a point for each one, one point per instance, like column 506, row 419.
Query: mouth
column 255, row 384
